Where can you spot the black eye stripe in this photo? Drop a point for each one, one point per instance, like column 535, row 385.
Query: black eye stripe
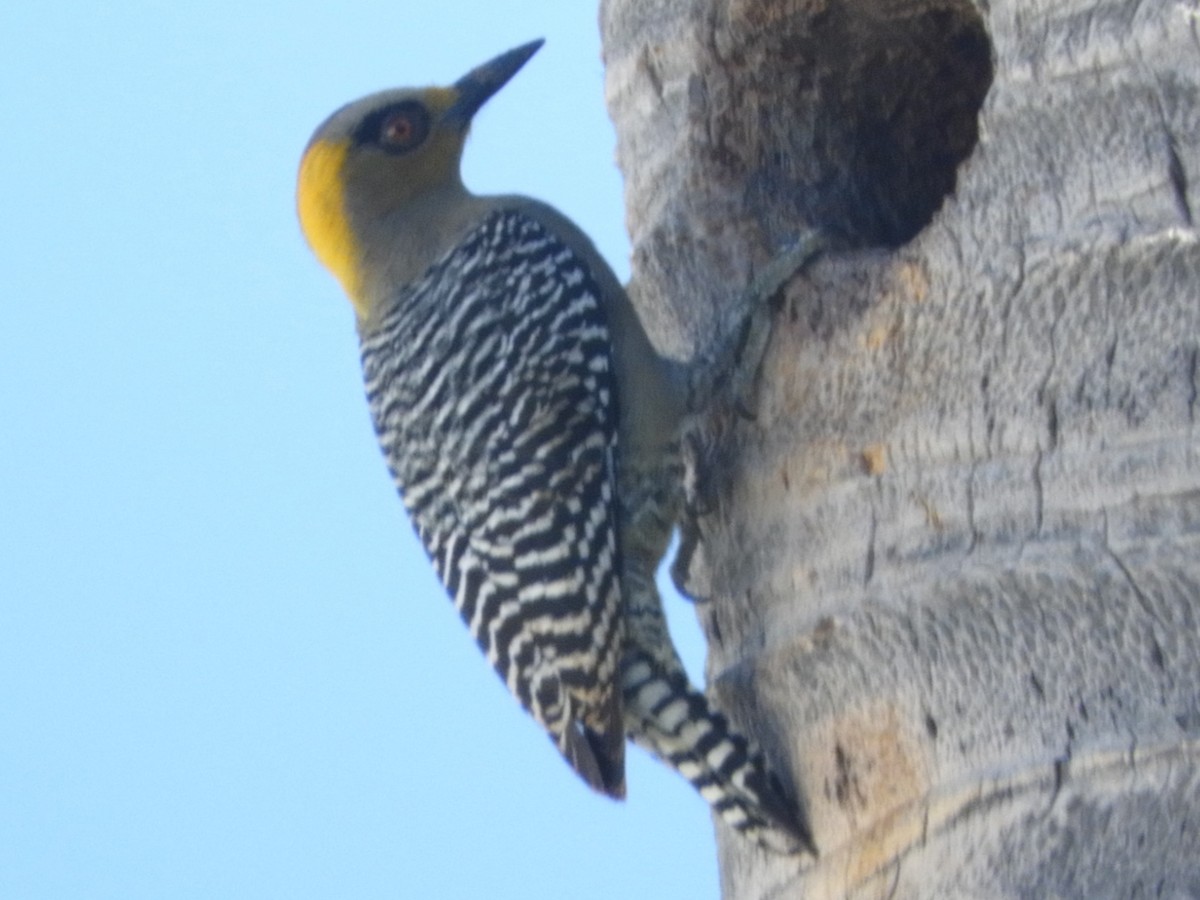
column 372, row 128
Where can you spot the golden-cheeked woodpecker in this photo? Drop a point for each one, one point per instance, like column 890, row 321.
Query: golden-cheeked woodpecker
column 532, row 431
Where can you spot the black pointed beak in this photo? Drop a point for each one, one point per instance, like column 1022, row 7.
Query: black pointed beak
column 480, row 83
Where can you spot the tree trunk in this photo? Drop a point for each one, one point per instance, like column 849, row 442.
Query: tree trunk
column 949, row 568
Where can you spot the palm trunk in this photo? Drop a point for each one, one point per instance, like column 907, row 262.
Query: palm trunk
column 950, row 568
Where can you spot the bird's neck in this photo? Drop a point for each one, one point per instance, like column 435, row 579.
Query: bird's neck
column 412, row 239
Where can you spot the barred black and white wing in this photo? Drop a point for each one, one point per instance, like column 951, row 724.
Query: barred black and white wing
column 491, row 386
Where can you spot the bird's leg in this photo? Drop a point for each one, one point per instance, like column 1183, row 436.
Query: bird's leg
column 732, row 376
column 664, row 714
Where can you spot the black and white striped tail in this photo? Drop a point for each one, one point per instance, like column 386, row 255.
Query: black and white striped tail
column 664, row 714
column 673, row 721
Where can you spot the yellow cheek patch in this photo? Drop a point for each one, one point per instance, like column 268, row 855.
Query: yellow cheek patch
column 439, row 99
column 320, row 201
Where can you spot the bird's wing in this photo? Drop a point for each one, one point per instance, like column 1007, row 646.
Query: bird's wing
column 492, row 390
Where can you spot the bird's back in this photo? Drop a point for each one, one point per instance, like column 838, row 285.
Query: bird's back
column 491, row 386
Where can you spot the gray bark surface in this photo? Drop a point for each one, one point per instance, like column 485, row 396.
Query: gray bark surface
column 950, row 569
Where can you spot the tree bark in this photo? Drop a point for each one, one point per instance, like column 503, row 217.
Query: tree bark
column 949, row 569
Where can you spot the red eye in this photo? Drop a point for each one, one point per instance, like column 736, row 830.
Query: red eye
column 399, row 129
column 402, row 127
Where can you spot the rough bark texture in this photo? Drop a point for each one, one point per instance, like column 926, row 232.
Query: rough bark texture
column 950, row 571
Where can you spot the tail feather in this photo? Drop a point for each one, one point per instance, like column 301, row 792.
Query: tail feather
column 675, row 722
column 598, row 756
column 663, row 713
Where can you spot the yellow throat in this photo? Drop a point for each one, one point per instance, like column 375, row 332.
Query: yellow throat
column 321, row 203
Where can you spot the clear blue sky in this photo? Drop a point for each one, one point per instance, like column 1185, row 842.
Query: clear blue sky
column 226, row 668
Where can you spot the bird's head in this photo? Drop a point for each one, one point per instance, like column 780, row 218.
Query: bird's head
column 387, row 152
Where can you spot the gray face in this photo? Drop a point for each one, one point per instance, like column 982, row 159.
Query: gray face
column 388, row 155
column 451, row 107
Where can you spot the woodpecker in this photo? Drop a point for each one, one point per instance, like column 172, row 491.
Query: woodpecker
column 532, row 432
